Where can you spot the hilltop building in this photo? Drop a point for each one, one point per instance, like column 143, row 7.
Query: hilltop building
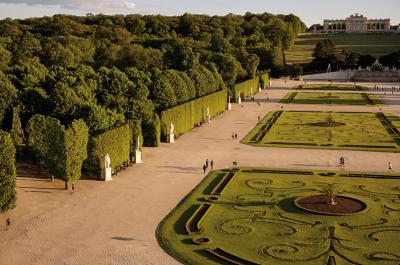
column 357, row 24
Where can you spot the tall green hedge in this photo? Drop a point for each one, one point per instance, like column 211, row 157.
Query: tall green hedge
column 151, row 131
column 186, row 116
column 264, row 79
column 117, row 143
column 76, row 141
column 8, row 195
column 60, row 151
column 244, row 88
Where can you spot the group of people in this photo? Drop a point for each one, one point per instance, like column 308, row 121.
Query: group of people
column 341, row 164
column 234, row 136
column 383, row 89
column 207, row 164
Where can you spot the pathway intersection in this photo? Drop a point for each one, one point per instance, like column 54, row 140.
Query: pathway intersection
column 115, row 222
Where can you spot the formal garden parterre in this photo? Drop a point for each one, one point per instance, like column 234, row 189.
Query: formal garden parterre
column 327, row 130
column 331, row 98
column 251, row 216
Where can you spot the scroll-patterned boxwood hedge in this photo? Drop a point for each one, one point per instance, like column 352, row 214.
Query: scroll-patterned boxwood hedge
column 185, row 116
column 245, row 88
column 117, row 143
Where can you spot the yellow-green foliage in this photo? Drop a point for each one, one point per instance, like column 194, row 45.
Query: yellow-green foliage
column 264, row 79
column 8, row 195
column 117, row 143
column 245, row 88
column 186, row 116
column 60, row 151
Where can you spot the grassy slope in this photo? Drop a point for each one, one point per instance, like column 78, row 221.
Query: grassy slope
column 255, row 219
column 373, row 44
column 362, row 131
column 323, row 98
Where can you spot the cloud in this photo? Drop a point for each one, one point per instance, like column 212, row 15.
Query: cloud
column 78, row 4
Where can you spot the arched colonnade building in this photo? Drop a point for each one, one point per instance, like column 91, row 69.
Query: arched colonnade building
column 356, row 24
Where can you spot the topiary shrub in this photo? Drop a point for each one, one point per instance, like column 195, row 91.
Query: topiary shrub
column 60, row 151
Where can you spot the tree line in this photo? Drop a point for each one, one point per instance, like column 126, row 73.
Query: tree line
column 77, row 77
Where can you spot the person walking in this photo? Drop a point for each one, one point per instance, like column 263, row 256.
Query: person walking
column 259, row 118
column 233, row 136
column 212, row 164
column 390, row 167
column 236, row 136
column 206, row 163
column 204, row 169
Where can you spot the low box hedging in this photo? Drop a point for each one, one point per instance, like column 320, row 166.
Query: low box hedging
column 186, row 116
column 117, row 143
column 244, row 88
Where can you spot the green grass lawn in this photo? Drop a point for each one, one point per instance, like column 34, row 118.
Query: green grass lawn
column 297, row 129
column 374, row 44
column 339, row 87
column 248, row 216
column 331, row 98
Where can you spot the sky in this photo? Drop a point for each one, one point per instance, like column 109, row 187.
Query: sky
column 310, row 11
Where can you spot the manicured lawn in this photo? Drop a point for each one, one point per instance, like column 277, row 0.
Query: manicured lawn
column 306, row 129
column 374, row 44
column 331, row 98
column 248, row 216
column 341, row 87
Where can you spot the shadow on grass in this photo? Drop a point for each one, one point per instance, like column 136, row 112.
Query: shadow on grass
column 288, row 206
column 180, row 225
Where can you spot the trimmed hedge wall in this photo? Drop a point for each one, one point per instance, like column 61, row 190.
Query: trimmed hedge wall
column 8, row 195
column 245, row 88
column 186, row 116
column 117, row 143
column 264, row 79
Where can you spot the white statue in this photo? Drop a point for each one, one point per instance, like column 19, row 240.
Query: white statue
column 208, row 111
column 229, row 99
column 107, row 160
column 171, row 128
column 138, row 144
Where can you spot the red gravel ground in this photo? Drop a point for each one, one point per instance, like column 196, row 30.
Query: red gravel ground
column 320, row 203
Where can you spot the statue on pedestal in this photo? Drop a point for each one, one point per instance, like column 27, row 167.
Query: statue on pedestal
column 138, row 144
column 171, row 128
column 107, row 164
column 208, row 111
column 107, row 160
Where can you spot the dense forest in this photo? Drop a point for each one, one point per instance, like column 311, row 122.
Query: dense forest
column 107, row 70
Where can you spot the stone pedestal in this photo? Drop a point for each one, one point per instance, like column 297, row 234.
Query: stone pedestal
column 172, row 138
column 208, row 119
column 108, row 175
column 138, row 157
column 229, row 106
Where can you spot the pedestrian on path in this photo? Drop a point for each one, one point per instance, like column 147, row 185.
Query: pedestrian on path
column 390, row 167
column 233, row 136
column 206, row 163
column 236, row 136
column 212, row 164
column 204, row 169
column 259, row 118
column 73, row 187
